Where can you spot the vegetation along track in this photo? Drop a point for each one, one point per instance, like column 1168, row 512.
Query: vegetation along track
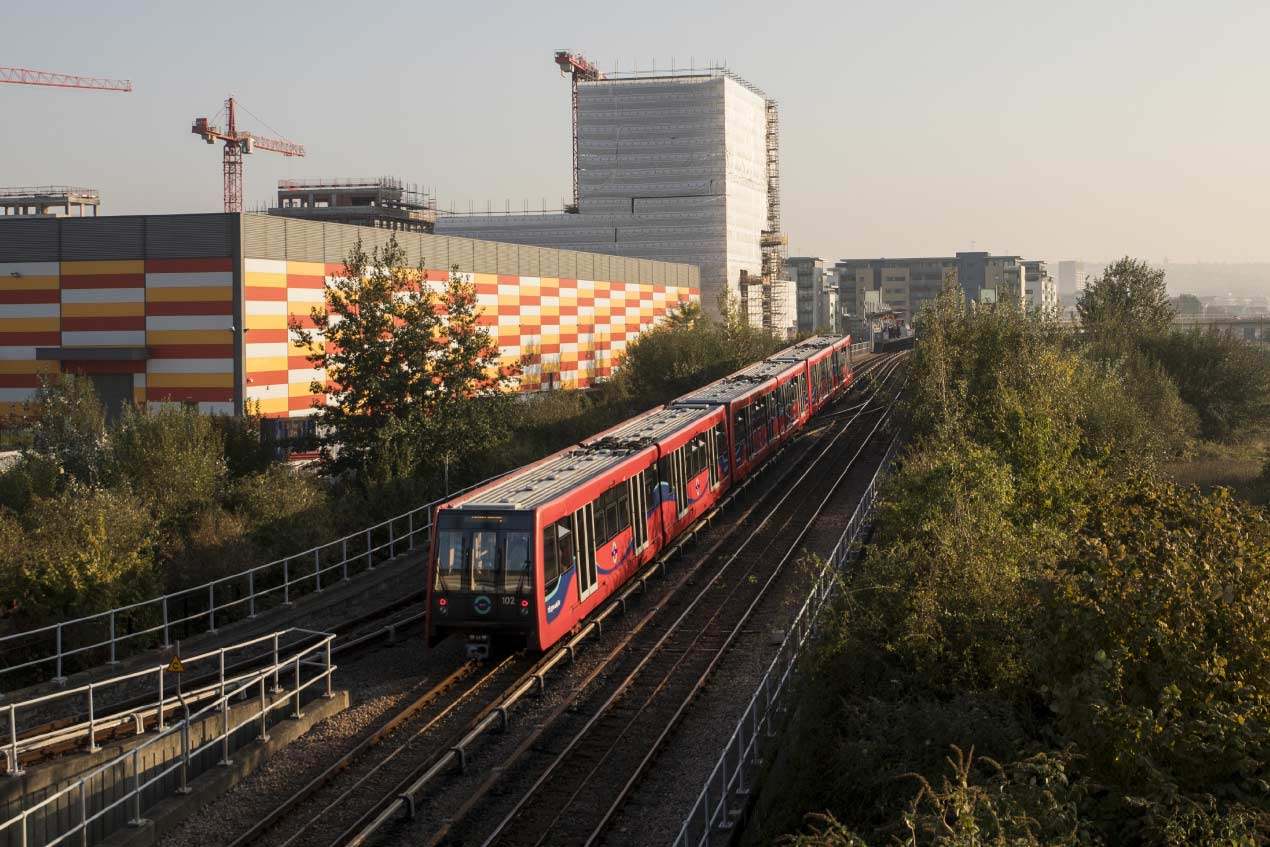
column 598, row 740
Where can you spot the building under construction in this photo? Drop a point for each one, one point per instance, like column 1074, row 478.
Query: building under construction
column 381, row 202
column 678, row 166
column 50, row 201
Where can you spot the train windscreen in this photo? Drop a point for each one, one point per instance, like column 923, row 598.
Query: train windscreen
column 485, row 553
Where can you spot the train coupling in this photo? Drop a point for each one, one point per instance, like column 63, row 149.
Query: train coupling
column 478, row 647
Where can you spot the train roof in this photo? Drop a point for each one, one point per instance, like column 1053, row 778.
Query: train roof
column 806, row 348
column 651, row 427
column 736, row 385
column 539, row 484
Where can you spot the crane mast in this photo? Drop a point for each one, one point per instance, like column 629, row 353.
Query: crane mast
column 236, row 145
column 577, row 67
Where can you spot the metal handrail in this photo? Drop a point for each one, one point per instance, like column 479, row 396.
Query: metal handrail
column 715, row 807
column 277, row 581
column 76, row 795
column 92, row 691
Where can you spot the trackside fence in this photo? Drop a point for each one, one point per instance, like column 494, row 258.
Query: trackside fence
column 117, row 793
column 723, row 797
column 55, row 650
column 82, row 714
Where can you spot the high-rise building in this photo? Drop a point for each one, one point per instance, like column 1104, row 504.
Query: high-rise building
column 1071, row 277
column 1042, row 292
column 817, row 293
column 905, row 285
column 671, row 167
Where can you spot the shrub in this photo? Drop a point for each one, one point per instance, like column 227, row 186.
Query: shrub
column 70, row 428
column 1225, row 379
column 172, row 458
column 86, row 550
column 286, row 510
column 218, row 543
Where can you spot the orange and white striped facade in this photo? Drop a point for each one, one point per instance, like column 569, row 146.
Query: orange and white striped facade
column 211, row 328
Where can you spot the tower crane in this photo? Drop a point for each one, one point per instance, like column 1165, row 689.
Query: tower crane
column 26, row 76
column 577, row 67
column 236, row 145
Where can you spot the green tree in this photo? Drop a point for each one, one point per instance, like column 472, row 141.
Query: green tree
column 1225, row 379
column 70, row 427
column 1128, row 301
column 403, row 363
column 172, row 458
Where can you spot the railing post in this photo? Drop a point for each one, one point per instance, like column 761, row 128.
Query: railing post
column 60, row 678
column 410, row 525
column 251, row 594
column 159, row 727
column 183, row 784
column 113, row 660
column 370, row 554
column 317, row 568
column 167, row 641
column 277, row 689
column 392, row 541
column 286, row 582
column 344, row 557
column 329, row 693
column 83, row 814
column 225, row 761
column 264, row 712
column 295, row 700
column 211, row 607
column 92, row 722
column 14, row 770
column 136, row 819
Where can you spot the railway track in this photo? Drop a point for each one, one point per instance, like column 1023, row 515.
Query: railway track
column 371, row 781
column 343, row 791
column 599, row 741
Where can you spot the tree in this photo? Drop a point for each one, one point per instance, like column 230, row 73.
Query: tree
column 403, row 364
column 1128, row 301
column 70, row 427
column 1224, row 378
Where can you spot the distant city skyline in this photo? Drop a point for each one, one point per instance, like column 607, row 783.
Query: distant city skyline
column 1080, row 130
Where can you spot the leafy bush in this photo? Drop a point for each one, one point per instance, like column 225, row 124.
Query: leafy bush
column 172, row 458
column 70, row 428
column 1225, row 379
column 287, row 510
column 82, row 551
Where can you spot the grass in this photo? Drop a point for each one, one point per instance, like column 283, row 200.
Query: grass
column 1238, row 466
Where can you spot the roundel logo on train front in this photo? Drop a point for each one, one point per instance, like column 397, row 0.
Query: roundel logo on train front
column 482, row 605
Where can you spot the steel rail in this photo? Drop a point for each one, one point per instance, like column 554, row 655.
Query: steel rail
column 661, row 683
column 404, row 798
column 344, row 762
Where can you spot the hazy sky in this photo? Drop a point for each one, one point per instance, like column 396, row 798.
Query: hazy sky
column 1075, row 129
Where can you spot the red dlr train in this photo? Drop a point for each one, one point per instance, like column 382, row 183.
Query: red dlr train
column 528, row 556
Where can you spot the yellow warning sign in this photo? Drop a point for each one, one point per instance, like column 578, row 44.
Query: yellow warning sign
column 176, row 665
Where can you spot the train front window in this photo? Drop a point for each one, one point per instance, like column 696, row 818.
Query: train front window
column 484, row 560
column 450, row 561
column 516, row 561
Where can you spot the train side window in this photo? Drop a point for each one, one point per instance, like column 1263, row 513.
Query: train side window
column 611, row 520
column 602, row 530
column 484, row 560
column 623, row 505
column 550, row 560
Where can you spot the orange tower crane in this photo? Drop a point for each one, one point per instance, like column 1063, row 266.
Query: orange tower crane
column 26, row 76
column 577, row 67
column 236, row 145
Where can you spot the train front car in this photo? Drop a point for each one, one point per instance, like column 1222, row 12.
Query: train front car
column 482, row 565
column 520, row 560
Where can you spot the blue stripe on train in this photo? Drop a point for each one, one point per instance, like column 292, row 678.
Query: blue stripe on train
column 555, row 600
